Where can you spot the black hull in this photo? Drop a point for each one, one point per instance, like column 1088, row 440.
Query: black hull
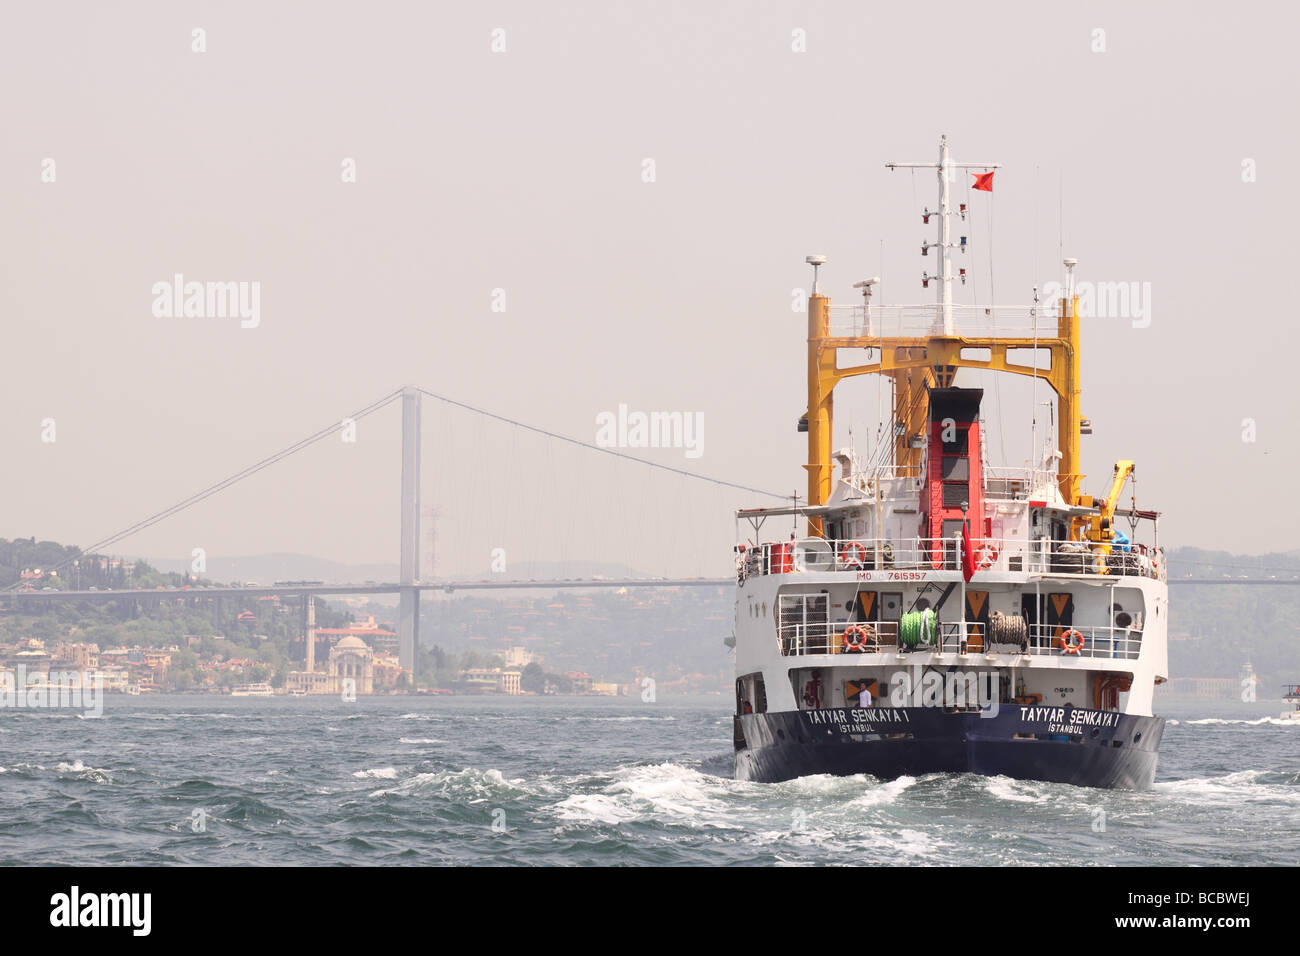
column 1059, row 744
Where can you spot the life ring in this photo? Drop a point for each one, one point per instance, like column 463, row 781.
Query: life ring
column 855, row 639
column 986, row 556
column 853, row 554
column 1071, row 642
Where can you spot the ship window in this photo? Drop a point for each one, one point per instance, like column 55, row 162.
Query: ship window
column 959, row 444
column 954, row 493
column 956, row 469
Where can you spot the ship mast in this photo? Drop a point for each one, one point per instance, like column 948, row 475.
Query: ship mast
column 943, row 324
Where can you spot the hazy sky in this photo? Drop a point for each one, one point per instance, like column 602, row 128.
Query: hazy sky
column 523, row 170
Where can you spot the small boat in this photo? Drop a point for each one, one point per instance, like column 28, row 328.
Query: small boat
column 252, row 690
column 1291, row 695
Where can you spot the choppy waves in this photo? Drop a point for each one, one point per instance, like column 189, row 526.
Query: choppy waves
column 569, row 782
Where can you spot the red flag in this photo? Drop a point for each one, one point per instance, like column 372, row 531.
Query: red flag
column 983, row 181
column 967, row 553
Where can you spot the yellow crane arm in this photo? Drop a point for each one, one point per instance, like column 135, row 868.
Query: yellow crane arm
column 1123, row 469
column 1099, row 530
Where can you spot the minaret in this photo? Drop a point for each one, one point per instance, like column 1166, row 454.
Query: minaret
column 311, row 634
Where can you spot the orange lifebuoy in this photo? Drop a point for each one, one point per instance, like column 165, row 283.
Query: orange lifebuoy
column 855, row 639
column 1071, row 642
column 853, row 554
column 988, row 554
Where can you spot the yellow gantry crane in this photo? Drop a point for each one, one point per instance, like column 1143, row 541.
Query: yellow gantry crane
column 916, row 364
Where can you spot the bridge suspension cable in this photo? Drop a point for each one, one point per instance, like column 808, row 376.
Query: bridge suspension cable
column 224, row 483
column 600, row 448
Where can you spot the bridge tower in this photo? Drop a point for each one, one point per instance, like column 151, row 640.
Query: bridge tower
column 408, row 608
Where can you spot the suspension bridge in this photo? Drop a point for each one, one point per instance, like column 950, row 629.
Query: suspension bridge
column 409, row 585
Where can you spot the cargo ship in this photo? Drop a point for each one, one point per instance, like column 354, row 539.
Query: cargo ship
column 932, row 611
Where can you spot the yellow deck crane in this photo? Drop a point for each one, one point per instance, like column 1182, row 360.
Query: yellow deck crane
column 1097, row 528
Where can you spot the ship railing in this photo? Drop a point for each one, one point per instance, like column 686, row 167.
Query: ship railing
column 797, row 640
column 897, row 471
column 955, row 637
column 914, row 321
column 1016, row 484
column 870, row 554
column 1042, row 556
column 1050, row 556
column 975, row 637
column 1050, row 640
column 1000, row 483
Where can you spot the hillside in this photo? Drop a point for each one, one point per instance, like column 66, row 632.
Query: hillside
column 1214, row 629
